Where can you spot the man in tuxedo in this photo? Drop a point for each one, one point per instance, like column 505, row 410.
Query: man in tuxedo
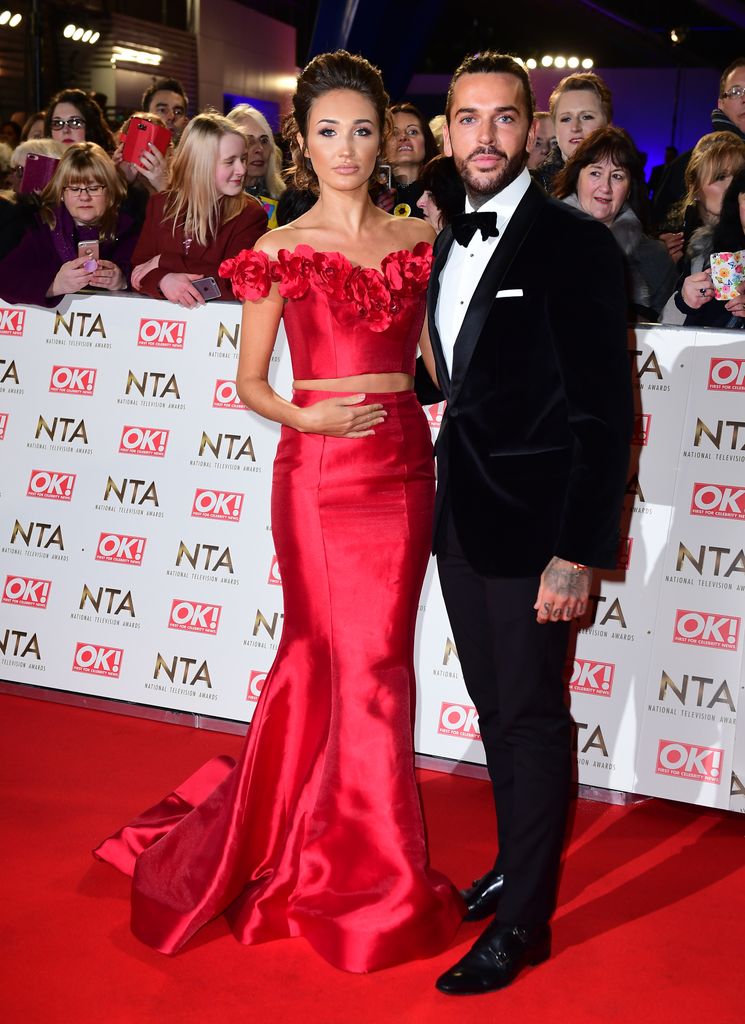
column 527, row 315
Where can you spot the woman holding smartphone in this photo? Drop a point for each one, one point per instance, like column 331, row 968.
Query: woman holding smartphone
column 80, row 238
column 204, row 218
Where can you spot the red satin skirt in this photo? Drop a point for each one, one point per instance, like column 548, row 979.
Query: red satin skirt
column 317, row 831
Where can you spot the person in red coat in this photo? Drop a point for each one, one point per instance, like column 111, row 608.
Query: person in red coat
column 203, row 219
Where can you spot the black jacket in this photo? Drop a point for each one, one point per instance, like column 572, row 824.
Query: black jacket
column 534, row 445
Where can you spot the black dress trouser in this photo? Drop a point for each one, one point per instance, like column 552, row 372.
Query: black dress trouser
column 513, row 671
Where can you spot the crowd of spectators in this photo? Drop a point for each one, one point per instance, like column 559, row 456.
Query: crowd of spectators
column 157, row 204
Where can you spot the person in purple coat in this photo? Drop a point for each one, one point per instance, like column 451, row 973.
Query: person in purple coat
column 82, row 203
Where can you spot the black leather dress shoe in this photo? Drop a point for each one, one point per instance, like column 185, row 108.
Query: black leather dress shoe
column 482, row 898
column 496, row 959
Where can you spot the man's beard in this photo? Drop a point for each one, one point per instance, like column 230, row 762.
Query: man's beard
column 481, row 187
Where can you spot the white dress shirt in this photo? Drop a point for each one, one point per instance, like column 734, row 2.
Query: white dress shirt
column 465, row 265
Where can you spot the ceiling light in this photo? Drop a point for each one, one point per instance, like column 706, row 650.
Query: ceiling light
column 4, row 18
column 131, row 56
column 587, row 63
column 86, row 35
column 532, row 63
column 573, row 62
column 78, row 34
column 546, row 62
column 69, row 29
column 15, row 20
column 94, row 38
column 560, row 62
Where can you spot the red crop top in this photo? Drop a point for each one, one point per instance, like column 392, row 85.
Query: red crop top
column 341, row 320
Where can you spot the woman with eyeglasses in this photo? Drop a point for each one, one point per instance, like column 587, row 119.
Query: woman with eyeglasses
column 203, row 219
column 82, row 203
column 72, row 116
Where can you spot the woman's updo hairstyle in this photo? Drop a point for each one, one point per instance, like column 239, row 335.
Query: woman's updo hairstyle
column 326, row 72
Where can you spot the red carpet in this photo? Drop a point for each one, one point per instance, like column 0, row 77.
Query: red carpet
column 650, row 926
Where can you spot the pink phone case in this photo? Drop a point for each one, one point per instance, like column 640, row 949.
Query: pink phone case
column 38, row 171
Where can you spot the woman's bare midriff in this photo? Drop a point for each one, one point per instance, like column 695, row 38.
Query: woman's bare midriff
column 372, row 383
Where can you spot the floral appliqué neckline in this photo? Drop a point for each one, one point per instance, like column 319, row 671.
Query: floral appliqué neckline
column 375, row 294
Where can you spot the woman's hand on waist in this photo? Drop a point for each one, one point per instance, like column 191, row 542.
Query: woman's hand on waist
column 344, row 416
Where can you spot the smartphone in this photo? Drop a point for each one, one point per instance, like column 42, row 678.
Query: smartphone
column 139, row 133
column 384, row 175
column 89, row 250
column 207, row 287
column 38, row 171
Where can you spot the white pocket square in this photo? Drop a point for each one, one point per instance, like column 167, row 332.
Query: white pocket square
column 509, row 293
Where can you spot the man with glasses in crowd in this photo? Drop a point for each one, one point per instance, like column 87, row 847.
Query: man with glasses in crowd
column 727, row 116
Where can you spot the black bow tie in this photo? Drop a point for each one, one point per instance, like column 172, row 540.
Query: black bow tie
column 465, row 226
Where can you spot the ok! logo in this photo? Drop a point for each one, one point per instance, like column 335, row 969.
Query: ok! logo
column 226, row 396
column 225, row 505
column 73, row 380
column 722, row 501
column 459, row 720
column 195, row 616
column 726, row 375
column 162, row 333
column 120, row 547
column 151, row 441
column 47, row 483
column 593, row 677
column 689, row 761
column 27, row 591
column 255, row 685
column 98, row 660
column 706, row 629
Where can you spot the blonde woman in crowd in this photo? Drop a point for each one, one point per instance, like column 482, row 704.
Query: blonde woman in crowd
column 204, row 218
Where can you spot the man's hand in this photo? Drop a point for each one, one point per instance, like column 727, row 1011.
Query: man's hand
column 563, row 592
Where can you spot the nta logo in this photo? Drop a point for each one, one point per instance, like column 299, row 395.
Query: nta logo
column 274, row 573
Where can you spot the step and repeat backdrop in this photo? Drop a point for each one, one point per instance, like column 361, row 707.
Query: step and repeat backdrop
column 138, row 564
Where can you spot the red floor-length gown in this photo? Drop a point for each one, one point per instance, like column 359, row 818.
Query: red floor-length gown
column 317, row 831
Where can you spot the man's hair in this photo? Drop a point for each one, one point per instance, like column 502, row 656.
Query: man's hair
column 738, row 63
column 164, row 85
column 488, row 63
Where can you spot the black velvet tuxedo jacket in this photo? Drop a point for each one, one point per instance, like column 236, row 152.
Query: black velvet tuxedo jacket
column 533, row 450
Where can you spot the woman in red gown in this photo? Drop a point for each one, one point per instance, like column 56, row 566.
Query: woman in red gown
column 317, row 831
